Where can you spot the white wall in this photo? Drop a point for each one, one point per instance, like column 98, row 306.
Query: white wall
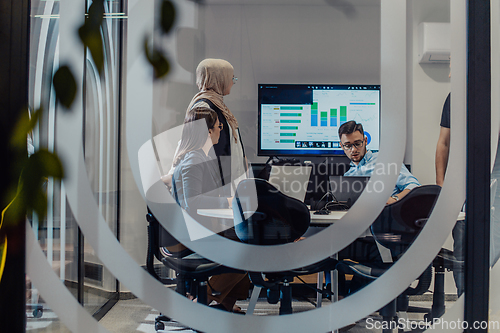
column 429, row 84
column 326, row 42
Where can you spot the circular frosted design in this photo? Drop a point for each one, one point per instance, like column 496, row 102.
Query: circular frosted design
column 339, row 314
column 317, row 247
column 326, row 318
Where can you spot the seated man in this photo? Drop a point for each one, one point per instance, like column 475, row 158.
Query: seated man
column 363, row 161
column 354, row 141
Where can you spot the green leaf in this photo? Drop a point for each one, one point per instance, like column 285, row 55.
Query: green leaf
column 157, row 60
column 92, row 39
column 3, row 255
column 90, row 33
column 167, row 15
column 65, row 86
column 96, row 13
column 15, row 210
column 41, row 165
column 32, row 194
column 35, row 117
column 37, row 202
column 46, row 163
column 23, row 127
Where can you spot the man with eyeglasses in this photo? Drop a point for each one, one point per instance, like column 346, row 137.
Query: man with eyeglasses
column 353, row 141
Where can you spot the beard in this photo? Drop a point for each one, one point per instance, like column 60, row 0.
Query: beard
column 358, row 156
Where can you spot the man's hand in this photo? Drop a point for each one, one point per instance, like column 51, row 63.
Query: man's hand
column 400, row 196
column 390, row 201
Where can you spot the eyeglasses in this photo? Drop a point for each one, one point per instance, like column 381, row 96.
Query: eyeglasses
column 221, row 126
column 356, row 144
column 235, row 79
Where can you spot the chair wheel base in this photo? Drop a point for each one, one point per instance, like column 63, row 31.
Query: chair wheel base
column 273, row 295
column 162, row 318
column 38, row 313
column 159, row 326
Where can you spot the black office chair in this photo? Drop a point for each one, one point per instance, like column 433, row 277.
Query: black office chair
column 396, row 228
column 412, row 214
column 276, row 219
column 192, row 274
column 399, row 224
column 366, row 274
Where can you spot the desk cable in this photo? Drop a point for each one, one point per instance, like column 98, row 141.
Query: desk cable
column 332, row 204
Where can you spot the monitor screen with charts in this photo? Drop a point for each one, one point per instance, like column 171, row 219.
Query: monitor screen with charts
column 303, row 119
column 347, row 189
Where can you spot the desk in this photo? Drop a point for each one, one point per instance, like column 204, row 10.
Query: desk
column 316, row 220
column 227, row 213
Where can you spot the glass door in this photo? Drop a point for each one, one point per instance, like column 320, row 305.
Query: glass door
column 59, row 236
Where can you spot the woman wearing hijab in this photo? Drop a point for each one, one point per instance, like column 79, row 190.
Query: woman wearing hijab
column 215, row 78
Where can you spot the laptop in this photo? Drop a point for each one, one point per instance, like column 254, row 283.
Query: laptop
column 347, row 189
column 291, row 180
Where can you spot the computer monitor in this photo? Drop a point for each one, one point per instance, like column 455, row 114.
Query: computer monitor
column 303, row 119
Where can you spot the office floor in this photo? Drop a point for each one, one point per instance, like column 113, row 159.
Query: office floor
column 133, row 315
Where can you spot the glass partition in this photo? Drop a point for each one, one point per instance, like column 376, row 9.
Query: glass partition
column 59, row 236
column 120, row 140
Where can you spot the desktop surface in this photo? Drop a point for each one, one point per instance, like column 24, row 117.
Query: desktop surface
column 227, row 213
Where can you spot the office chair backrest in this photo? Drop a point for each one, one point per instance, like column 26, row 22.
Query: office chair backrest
column 159, row 237
column 276, row 219
column 400, row 223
